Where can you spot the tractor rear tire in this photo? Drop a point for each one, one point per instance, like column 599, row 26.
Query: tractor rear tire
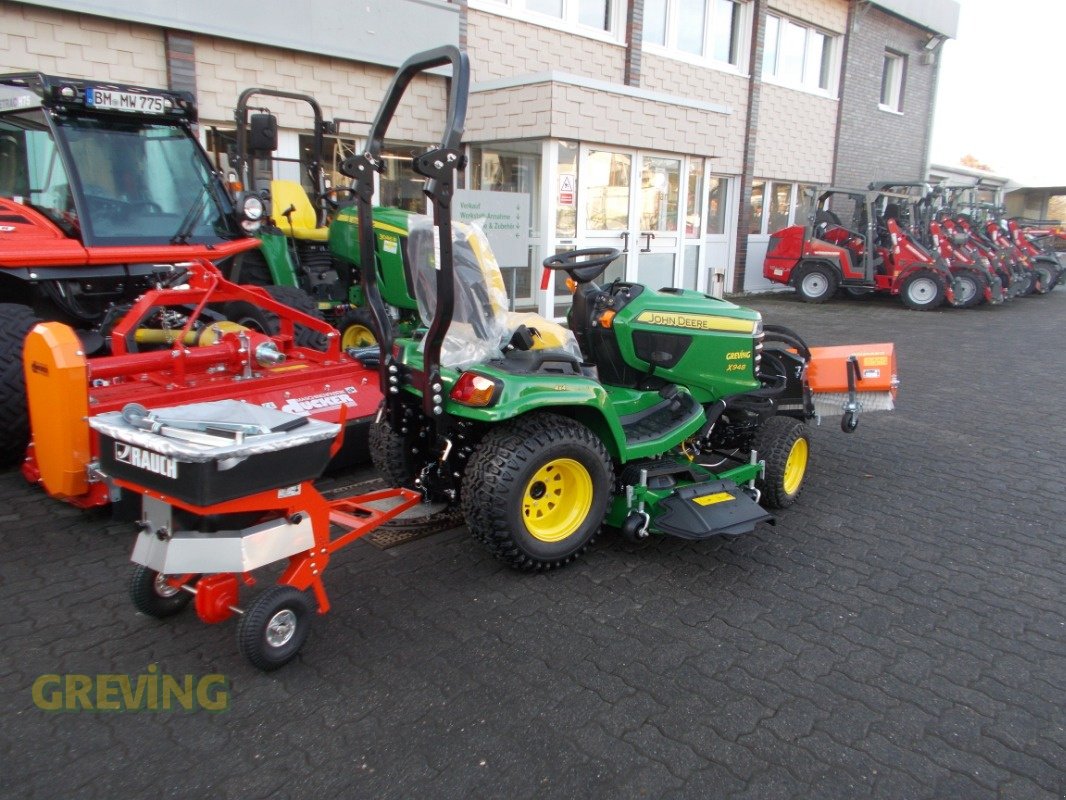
column 259, row 319
column 784, row 444
column 536, row 490
column 391, row 455
column 816, row 283
column 15, row 322
column 973, row 289
column 922, row 290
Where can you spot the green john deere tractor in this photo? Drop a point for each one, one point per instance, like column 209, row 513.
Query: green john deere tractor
column 300, row 246
column 657, row 412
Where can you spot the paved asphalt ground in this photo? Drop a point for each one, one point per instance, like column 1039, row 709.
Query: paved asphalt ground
column 901, row 633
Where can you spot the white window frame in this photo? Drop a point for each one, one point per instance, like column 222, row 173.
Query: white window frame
column 832, row 41
column 516, row 9
column 795, row 195
column 895, row 88
column 670, row 50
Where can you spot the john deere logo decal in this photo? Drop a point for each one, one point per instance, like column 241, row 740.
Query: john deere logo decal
column 146, row 460
column 697, row 322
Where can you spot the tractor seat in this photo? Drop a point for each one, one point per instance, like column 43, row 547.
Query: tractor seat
column 481, row 325
column 302, row 221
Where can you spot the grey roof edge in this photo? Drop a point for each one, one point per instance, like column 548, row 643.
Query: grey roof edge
column 938, row 16
column 600, row 86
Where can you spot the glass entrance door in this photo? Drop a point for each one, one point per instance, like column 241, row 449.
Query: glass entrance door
column 631, row 201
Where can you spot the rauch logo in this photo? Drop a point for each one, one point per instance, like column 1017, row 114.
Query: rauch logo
column 146, row 460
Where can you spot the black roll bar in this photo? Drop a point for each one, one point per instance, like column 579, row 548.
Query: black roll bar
column 440, row 166
column 243, row 161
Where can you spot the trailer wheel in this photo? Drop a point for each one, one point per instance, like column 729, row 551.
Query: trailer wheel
column 259, row 319
column 15, row 322
column 784, row 444
column 922, row 290
column 969, row 289
column 275, row 627
column 536, row 489
column 816, row 283
column 152, row 595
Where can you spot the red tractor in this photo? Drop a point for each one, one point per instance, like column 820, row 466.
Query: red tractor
column 104, row 189
column 871, row 253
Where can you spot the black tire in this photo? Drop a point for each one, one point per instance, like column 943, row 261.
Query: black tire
column 856, row 291
column 15, row 322
column 816, row 283
column 969, row 288
column 259, row 319
column 508, row 481
column 922, row 290
column 250, row 268
column 152, row 596
column 391, row 455
column 357, row 329
column 275, row 627
column 787, row 461
column 1046, row 276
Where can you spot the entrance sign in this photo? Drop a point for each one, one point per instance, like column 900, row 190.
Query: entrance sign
column 504, row 216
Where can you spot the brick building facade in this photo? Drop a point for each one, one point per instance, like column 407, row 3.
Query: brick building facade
column 682, row 133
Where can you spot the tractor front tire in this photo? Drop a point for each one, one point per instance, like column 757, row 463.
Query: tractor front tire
column 816, row 283
column 536, row 490
column 357, row 329
column 784, row 444
column 1046, row 277
column 15, row 322
column 259, row 319
column 969, row 289
column 922, row 290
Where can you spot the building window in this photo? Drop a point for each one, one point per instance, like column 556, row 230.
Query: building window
column 596, row 14
column 892, row 82
column 707, row 30
column 798, row 55
column 717, row 189
column 778, row 204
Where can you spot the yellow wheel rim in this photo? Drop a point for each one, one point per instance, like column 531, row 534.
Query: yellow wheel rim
column 357, row 336
column 557, row 500
column 795, row 466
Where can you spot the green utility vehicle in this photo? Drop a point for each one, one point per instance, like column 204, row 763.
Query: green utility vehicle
column 300, row 246
column 658, row 412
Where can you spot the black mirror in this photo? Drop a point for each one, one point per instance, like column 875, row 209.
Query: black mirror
column 263, row 133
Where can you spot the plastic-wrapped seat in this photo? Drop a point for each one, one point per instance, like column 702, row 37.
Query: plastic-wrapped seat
column 482, row 325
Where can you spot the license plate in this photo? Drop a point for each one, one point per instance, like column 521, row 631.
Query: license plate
column 123, row 101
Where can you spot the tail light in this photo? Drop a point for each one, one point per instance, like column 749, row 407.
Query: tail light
column 474, row 390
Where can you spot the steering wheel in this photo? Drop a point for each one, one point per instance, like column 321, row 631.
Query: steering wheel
column 332, row 195
column 585, row 265
column 105, row 206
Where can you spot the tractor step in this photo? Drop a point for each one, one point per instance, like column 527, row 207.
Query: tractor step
column 703, row 510
column 658, row 420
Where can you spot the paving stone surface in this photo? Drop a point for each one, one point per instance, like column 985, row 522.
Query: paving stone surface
column 901, row 633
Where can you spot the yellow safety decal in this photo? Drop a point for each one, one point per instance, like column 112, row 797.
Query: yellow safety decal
column 697, row 322
column 874, row 361
column 712, row 499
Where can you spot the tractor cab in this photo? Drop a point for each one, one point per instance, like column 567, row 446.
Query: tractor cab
column 111, row 164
